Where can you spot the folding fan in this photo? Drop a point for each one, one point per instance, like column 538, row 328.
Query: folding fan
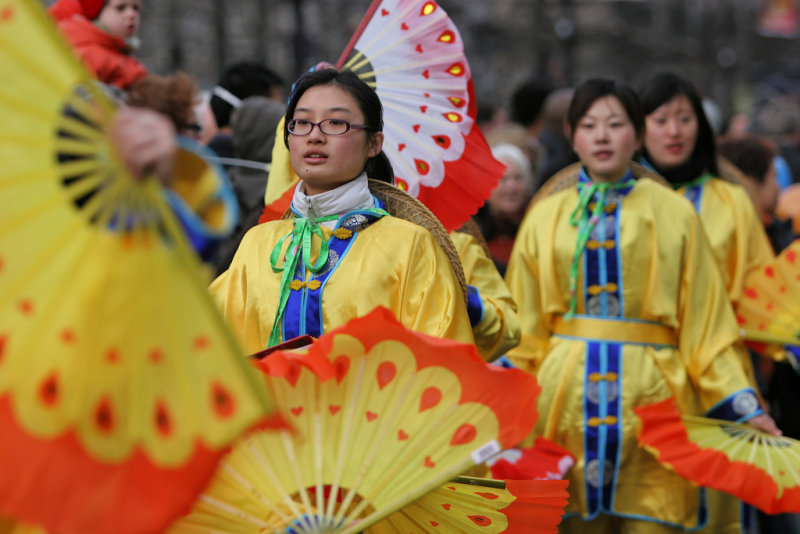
column 120, row 386
column 769, row 311
column 411, row 53
column 759, row 468
column 383, row 417
column 482, row 505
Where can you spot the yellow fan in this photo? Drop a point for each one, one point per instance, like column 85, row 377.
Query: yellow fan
column 769, row 310
column 383, row 416
column 759, row 468
column 482, row 506
column 120, row 386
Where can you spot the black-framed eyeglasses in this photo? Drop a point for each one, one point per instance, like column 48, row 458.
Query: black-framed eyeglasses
column 327, row 126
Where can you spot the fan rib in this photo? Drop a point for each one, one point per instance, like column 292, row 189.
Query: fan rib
column 386, row 28
column 416, row 65
column 387, row 426
column 27, row 108
column 352, row 403
column 301, row 485
column 273, row 478
column 77, row 128
column 16, row 179
column 404, row 39
column 44, row 256
column 235, row 512
column 344, row 437
column 76, row 147
column 35, row 67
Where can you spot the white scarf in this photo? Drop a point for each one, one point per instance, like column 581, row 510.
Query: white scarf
column 354, row 195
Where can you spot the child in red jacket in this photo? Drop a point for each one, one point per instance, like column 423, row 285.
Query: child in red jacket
column 103, row 33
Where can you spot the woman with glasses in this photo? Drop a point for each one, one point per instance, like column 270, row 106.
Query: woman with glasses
column 340, row 254
column 621, row 306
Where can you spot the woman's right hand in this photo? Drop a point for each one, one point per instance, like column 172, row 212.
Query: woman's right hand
column 766, row 424
column 145, row 142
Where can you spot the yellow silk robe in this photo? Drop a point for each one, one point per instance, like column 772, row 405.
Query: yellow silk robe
column 391, row 263
column 498, row 329
column 741, row 247
column 655, row 271
column 736, row 233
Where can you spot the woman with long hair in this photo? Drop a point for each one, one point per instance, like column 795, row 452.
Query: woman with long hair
column 621, row 305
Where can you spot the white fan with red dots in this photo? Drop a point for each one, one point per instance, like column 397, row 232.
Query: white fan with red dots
column 412, row 54
column 120, row 385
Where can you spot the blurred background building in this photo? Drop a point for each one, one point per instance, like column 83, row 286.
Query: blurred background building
column 738, row 52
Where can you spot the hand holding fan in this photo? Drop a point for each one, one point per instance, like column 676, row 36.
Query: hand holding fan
column 759, row 468
column 120, row 386
column 383, row 417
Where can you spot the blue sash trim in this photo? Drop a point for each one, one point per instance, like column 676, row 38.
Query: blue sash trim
column 304, row 307
column 474, row 306
column 739, row 407
column 603, row 381
column 602, row 424
column 591, row 435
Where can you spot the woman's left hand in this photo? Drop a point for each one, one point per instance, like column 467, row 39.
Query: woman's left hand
column 765, row 423
column 145, row 141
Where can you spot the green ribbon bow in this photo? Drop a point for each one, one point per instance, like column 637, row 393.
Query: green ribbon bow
column 586, row 223
column 299, row 247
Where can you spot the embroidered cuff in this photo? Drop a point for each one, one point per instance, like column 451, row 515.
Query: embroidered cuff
column 739, row 407
column 474, row 306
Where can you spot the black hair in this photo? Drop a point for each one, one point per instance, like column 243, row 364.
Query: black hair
column 659, row 90
column 593, row 89
column 243, row 79
column 528, row 100
column 377, row 167
column 752, row 155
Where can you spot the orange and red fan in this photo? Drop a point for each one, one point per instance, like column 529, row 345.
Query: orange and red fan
column 759, row 468
column 383, row 416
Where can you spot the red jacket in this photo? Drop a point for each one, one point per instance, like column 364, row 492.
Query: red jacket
column 107, row 56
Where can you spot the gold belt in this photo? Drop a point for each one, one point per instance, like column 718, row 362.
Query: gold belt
column 615, row 331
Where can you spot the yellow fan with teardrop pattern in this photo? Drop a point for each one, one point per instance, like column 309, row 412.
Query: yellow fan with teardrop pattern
column 120, row 385
column 482, row 506
column 383, row 416
column 769, row 309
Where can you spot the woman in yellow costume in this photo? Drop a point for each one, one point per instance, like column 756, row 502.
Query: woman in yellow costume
column 680, row 145
column 341, row 254
column 621, row 305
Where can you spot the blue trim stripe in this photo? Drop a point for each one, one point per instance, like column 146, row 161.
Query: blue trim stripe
column 695, row 195
column 591, row 449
